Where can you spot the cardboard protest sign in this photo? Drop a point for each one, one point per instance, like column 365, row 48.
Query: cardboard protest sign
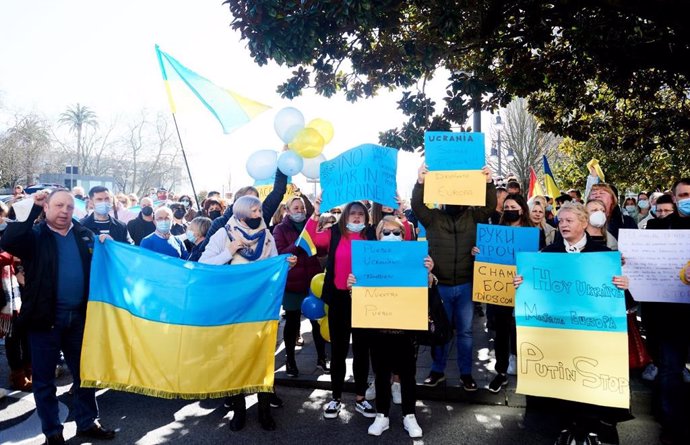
column 392, row 288
column 455, row 161
column 572, row 328
column 265, row 187
column 367, row 172
column 653, row 260
column 494, row 267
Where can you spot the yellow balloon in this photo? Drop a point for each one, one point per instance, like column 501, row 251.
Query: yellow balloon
column 316, row 285
column 308, row 143
column 325, row 308
column 325, row 332
column 324, row 128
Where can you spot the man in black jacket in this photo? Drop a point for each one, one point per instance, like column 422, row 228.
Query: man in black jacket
column 100, row 222
column 56, row 255
column 143, row 225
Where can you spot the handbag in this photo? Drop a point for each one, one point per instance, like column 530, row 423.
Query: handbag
column 439, row 331
column 637, row 351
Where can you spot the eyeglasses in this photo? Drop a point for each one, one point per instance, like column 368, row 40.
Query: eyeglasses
column 388, row 232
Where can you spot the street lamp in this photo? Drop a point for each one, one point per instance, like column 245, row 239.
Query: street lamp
column 497, row 147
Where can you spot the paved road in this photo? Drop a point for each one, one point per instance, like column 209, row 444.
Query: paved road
column 146, row 420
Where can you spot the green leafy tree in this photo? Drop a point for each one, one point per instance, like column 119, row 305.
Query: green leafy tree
column 577, row 63
column 78, row 119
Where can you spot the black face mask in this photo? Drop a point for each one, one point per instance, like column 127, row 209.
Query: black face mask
column 179, row 213
column 214, row 214
column 387, row 213
column 253, row 223
column 147, row 211
column 511, row 215
column 454, row 210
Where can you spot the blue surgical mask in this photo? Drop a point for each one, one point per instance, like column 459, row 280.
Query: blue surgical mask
column 630, row 209
column 352, row 227
column 3, row 226
column 549, row 208
column 643, row 204
column 191, row 237
column 653, row 209
column 102, row 208
column 391, row 237
column 684, row 206
column 163, row 226
column 298, row 217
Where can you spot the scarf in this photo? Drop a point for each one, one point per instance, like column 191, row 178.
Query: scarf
column 259, row 243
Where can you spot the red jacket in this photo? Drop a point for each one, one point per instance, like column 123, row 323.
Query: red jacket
column 299, row 277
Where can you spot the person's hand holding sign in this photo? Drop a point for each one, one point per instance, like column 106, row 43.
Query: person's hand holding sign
column 423, row 170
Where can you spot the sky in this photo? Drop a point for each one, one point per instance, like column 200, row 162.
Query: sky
column 101, row 54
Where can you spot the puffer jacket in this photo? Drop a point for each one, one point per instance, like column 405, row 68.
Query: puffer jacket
column 451, row 238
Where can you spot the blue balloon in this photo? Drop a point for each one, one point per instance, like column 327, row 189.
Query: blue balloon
column 290, row 163
column 262, row 164
column 313, row 308
column 287, row 123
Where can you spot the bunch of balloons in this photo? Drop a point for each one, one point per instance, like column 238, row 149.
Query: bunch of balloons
column 306, row 143
column 314, row 308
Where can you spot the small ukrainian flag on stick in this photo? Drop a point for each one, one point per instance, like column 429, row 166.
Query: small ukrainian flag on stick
column 306, row 243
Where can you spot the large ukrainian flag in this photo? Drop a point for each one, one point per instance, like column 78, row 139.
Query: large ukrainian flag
column 163, row 327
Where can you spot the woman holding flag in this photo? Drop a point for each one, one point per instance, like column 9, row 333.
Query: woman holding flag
column 299, row 278
column 245, row 239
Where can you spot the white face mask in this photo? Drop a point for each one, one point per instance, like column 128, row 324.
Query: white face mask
column 597, row 219
column 391, row 237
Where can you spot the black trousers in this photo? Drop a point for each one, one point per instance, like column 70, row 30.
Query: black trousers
column 291, row 329
column 394, row 353
column 505, row 338
column 340, row 327
column 17, row 348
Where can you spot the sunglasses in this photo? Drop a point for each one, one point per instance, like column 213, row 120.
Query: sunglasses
column 388, row 232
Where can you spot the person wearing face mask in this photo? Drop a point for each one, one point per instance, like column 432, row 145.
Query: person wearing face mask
column 100, row 221
column 451, row 234
column 667, row 324
column 161, row 240
column 337, row 241
column 515, row 214
column 596, row 228
column 196, row 234
column 630, row 208
column 394, row 351
column 643, row 206
column 298, row 282
column 652, row 210
column 245, row 239
column 213, row 208
column 614, row 216
column 378, row 212
column 143, row 224
column 179, row 225
column 188, row 204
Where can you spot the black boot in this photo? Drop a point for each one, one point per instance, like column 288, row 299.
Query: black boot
column 265, row 417
column 239, row 419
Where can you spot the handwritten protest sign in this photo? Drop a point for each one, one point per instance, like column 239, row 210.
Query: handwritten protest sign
column 653, row 260
column 446, row 150
column 494, row 267
column 367, row 171
column 454, row 161
column 572, row 328
column 265, row 187
column 391, row 290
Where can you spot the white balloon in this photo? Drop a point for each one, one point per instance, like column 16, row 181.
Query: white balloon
column 290, row 163
column 287, row 123
column 262, row 164
column 312, row 166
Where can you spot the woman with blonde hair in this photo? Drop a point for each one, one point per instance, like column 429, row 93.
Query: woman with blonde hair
column 537, row 214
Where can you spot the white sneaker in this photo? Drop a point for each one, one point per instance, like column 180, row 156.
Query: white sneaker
column 650, row 372
column 512, row 365
column 364, row 408
column 395, row 393
column 332, row 410
column 381, row 424
column 686, row 375
column 370, row 394
column 411, row 426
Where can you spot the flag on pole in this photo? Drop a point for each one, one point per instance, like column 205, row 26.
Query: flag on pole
column 594, row 163
column 306, row 243
column 534, row 186
column 549, row 182
column 228, row 107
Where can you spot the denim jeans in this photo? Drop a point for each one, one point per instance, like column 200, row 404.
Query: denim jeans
column 672, row 356
column 66, row 335
column 457, row 301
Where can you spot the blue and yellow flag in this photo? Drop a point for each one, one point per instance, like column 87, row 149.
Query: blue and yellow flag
column 549, row 181
column 306, row 243
column 163, row 327
column 231, row 109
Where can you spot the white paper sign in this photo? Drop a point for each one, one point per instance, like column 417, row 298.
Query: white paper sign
column 653, row 261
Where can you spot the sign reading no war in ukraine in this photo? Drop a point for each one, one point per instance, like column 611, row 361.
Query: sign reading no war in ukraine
column 455, row 161
column 494, row 268
column 367, row 171
column 572, row 328
column 392, row 288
